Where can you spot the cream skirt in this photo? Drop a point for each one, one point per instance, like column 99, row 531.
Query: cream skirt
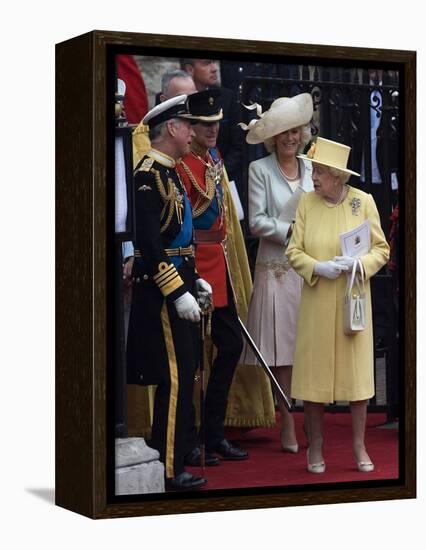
column 272, row 314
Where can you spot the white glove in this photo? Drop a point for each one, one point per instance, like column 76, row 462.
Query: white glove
column 329, row 269
column 204, row 294
column 187, row 307
column 203, row 287
column 348, row 261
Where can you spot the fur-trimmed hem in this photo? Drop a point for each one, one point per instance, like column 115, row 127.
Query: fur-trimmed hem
column 250, row 422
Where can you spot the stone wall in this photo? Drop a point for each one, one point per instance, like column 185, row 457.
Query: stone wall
column 152, row 69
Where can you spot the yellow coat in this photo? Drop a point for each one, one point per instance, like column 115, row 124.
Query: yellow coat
column 330, row 366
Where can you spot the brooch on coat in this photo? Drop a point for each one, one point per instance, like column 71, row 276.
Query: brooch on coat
column 356, row 205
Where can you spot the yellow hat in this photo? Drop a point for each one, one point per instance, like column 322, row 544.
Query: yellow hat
column 329, row 153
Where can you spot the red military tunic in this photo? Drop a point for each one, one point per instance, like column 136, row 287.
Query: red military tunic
column 209, row 220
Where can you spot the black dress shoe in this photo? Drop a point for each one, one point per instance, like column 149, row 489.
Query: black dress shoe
column 194, row 458
column 185, row 482
column 227, row 451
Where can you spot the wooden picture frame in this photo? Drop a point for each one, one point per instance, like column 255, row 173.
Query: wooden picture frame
column 84, row 264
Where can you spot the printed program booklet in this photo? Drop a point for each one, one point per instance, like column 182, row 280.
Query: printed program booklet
column 356, row 242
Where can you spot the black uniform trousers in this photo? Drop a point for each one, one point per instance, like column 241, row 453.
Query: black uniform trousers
column 226, row 336
column 161, row 350
column 173, row 396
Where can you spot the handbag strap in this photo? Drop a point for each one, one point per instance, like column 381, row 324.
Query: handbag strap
column 354, row 278
column 351, row 279
column 361, row 276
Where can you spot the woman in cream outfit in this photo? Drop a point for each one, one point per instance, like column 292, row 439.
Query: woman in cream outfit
column 273, row 182
column 329, row 365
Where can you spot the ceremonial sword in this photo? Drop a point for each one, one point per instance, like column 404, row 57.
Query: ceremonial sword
column 206, row 307
column 264, row 364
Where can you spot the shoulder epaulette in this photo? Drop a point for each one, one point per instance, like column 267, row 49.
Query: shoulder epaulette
column 146, row 165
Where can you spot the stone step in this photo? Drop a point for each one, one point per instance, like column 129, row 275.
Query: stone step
column 138, row 469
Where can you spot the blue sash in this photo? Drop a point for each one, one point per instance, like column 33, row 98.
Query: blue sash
column 184, row 237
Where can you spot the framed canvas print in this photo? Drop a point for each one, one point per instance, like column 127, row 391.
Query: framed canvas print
column 204, row 188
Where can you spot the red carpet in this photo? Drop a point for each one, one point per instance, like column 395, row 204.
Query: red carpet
column 268, row 465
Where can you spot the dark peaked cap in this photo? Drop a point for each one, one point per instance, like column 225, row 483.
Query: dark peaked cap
column 205, row 106
column 176, row 107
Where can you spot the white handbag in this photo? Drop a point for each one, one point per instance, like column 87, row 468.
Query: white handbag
column 355, row 310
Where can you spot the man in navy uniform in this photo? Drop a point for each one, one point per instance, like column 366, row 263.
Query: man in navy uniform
column 161, row 345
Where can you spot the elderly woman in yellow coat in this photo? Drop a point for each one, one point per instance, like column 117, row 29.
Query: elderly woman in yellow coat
column 330, row 365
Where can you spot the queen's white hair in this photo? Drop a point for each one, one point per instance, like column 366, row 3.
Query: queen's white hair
column 344, row 177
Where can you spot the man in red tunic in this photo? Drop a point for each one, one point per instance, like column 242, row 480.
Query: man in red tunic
column 202, row 173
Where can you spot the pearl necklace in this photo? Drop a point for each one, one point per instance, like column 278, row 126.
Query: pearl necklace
column 287, row 177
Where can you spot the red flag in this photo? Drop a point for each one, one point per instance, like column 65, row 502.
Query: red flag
column 135, row 100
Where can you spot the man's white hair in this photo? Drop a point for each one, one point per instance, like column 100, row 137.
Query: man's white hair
column 169, row 76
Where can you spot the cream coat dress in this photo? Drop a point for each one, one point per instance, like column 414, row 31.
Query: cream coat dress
column 329, row 365
column 277, row 287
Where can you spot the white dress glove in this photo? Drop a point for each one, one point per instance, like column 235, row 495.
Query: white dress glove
column 187, row 307
column 329, row 269
column 348, row 261
column 204, row 293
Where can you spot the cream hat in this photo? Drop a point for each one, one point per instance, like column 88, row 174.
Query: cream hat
column 329, row 153
column 285, row 113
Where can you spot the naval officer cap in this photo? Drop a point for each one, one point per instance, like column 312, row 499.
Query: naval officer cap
column 176, row 107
